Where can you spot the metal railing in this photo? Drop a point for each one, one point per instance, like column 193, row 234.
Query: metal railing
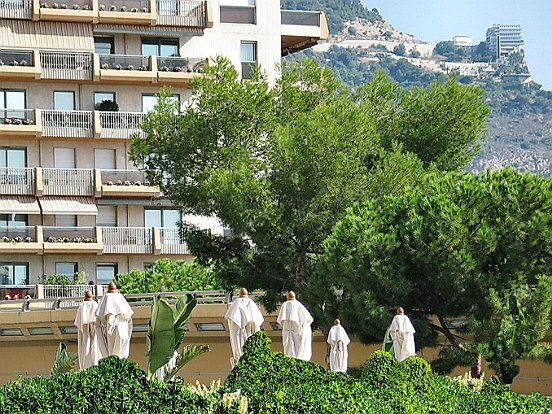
column 15, row 58
column 123, row 177
column 68, row 181
column 66, row 65
column 122, row 124
column 125, row 62
column 17, row 181
column 127, row 240
column 59, row 291
column 191, row 13
column 17, row 234
column 17, row 116
column 16, row 9
column 135, row 6
column 73, row 124
column 300, row 18
column 179, row 64
column 69, row 234
column 171, row 243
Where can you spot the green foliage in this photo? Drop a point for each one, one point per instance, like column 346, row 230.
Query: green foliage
column 65, row 360
column 107, row 105
column 400, row 50
column 113, row 386
column 166, row 333
column 274, row 383
column 168, row 276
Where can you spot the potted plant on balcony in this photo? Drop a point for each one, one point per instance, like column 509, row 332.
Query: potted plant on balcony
column 107, row 105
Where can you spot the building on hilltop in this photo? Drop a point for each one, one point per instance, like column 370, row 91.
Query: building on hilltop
column 76, row 80
column 461, row 40
column 503, row 39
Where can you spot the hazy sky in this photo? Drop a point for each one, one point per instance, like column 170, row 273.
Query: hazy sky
column 436, row 20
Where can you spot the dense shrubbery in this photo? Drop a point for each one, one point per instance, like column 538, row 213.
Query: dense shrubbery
column 275, row 383
column 114, row 386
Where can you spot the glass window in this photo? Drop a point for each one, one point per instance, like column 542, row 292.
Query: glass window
column 149, row 102
column 104, row 158
column 13, row 220
column 248, row 58
column 66, row 220
column 13, row 157
column 66, row 268
column 162, row 217
column 104, row 45
column 159, row 47
column 105, row 272
column 233, row 14
column 14, row 273
column 64, row 100
column 12, row 99
column 99, row 97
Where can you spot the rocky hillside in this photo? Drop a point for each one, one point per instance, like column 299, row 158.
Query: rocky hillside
column 362, row 42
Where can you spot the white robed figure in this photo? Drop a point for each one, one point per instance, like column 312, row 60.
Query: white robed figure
column 296, row 321
column 244, row 319
column 85, row 321
column 338, row 341
column 402, row 334
column 114, row 324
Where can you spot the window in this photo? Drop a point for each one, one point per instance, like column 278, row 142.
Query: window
column 64, row 100
column 248, row 58
column 107, row 216
column 233, row 14
column 14, row 273
column 162, row 217
column 104, row 158
column 13, row 157
column 13, row 220
column 105, row 272
column 64, row 158
column 66, row 220
column 159, row 47
column 149, row 102
column 66, row 268
column 12, row 99
column 99, row 97
column 104, row 45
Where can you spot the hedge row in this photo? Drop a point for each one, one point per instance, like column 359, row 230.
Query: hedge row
column 275, row 383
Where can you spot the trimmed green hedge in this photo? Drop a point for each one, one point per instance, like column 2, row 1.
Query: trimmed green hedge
column 275, row 383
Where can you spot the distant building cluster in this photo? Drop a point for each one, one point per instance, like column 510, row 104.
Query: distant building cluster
column 503, row 39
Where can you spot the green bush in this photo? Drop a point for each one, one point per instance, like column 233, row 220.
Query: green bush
column 274, row 383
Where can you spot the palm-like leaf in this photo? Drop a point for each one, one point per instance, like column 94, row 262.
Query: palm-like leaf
column 161, row 342
column 188, row 353
column 65, row 360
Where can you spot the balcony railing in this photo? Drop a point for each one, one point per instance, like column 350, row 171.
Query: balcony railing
column 191, row 13
column 15, row 57
column 17, row 117
column 68, row 181
column 122, row 124
column 65, row 291
column 17, row 234
column 135, row 6
column 16, row 9
column 171, row 242
column 69, row 234
column 127, row 240
column 66, row 65
column 125, row 62
column 123, row 177
column 74, row 124
column 300, row 18
column 179, row 64
column 17, row 181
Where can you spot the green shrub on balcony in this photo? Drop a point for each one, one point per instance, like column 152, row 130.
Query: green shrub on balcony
column 107, row 105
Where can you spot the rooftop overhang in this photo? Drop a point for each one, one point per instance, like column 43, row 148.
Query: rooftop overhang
column 301, row 30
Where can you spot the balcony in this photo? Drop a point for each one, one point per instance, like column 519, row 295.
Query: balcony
column 127, row 68
column 66, row 65
column 18, row 64
column 189, row 13
column 120, row 125
column 20, row 122
column 70, row 124
column 16, row 9
column 171, row 242
column 302, row 29
column 24, row 239
column 72, row 240
column 127, row 240
column 17, row 181
column 126, row 183
column 178, row 69
column 68, row 182
column 127, row 12
column 64, row 11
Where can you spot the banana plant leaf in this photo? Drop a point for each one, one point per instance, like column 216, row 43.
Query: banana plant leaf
column 183, row 309
column 188, row 353
column 161, row 336
column 388, row 343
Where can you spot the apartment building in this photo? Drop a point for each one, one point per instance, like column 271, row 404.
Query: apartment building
column 503, row 39
column 76, row 80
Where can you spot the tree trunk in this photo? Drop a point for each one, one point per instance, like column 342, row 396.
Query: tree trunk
column 476, row 370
